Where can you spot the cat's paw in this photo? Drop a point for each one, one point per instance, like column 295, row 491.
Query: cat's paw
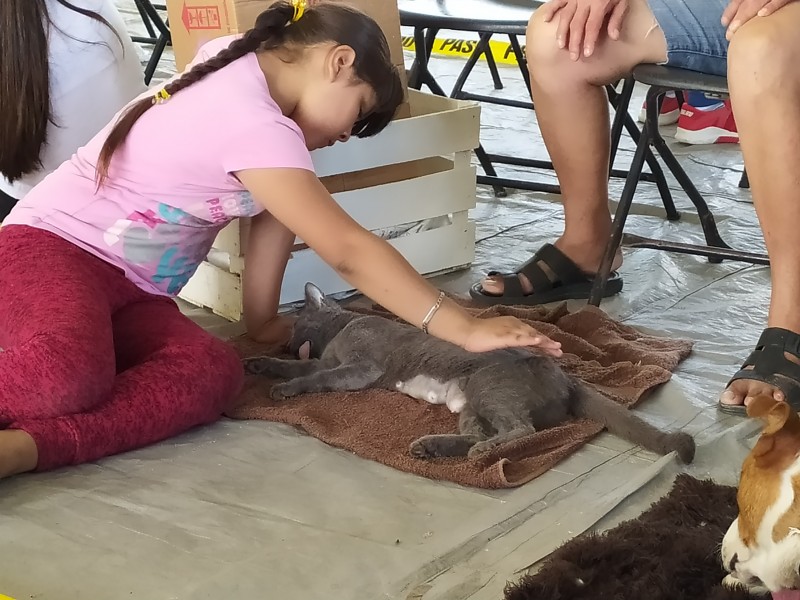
column 282, row 391
column 423, row 448
column 256, row 365
column 253, row 365
column 482, row 448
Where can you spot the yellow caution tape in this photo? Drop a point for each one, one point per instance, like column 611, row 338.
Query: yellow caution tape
column 502, row 51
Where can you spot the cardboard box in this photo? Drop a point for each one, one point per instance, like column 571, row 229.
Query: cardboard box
column 194, row 22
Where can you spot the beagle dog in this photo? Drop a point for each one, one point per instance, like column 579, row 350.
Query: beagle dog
column 761, row 549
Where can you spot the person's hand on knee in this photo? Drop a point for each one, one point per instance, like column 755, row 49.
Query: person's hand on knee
column 581, row 22
column 739, row 12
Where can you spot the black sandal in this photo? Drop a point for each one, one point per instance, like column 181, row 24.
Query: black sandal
column 770, row 365
column 554, row 277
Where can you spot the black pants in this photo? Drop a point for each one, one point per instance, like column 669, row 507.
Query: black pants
column 6, row 204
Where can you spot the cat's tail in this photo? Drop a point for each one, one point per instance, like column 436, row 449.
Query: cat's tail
column 591, row 404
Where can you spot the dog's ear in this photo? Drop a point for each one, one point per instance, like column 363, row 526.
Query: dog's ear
column 773, row 413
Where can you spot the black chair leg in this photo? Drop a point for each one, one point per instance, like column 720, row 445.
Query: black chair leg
column 419, row 74
column 716, row 249
column 744, row 182
column 481, row 48
column 153, row 21
column 457, row 92
column 621, row 104
column 488, row 168
column 155, row 58
column 661, row 184
column 620, row 217
column 522, row 62
column 490, row 61
column 415, row 72
column 145, row 19
column 707, row 221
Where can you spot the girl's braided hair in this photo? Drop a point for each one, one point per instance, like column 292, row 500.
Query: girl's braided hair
column 327, row 22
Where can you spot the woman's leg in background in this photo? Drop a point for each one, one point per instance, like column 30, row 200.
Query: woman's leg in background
column 572, row 111
column 765, row 86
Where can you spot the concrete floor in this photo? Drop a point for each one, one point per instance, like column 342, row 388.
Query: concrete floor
column 252, row 510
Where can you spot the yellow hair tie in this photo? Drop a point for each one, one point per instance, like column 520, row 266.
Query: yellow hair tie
column 162, row 96
column 299, row 9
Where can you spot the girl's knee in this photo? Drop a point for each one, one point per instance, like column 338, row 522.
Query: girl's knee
column 230, row 366
column 72, row 384
column 219, row 366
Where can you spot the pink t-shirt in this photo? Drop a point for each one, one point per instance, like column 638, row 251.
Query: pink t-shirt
column 170, row 189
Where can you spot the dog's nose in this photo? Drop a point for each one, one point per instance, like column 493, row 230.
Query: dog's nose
column 732, row 564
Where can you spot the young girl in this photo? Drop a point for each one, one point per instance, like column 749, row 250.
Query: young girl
column 98, row 358
column 53, row 51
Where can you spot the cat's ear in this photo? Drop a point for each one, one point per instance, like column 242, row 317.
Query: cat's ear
column 314, row 296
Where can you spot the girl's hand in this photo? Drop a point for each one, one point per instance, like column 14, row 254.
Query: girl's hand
column 277, row 331
column 507, row 332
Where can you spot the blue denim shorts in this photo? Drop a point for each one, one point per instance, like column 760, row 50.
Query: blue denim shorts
column 695, row 35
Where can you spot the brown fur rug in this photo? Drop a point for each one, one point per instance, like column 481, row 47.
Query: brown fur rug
column 670, row 552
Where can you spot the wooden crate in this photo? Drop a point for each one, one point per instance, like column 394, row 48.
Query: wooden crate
column 417, row 170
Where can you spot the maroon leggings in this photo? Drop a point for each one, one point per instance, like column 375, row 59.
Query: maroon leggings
column 92, row 364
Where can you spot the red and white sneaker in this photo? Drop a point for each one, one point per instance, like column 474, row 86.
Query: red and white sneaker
column 670, row 109
column 715, row 126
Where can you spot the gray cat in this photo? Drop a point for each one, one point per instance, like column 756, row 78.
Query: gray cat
column 500, row 395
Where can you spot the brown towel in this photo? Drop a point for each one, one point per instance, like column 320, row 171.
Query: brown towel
column 380, row 425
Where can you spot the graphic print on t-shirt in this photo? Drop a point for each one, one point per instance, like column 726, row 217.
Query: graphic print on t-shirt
column 170, row 243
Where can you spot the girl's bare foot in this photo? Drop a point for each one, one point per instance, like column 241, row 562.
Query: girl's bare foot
column 18, row 453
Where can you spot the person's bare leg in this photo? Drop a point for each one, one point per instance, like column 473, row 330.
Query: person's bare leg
column 572, row 110
column 18, row 453
column 764, row 83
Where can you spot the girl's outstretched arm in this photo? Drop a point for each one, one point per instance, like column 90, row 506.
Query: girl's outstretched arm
column 297, row 198
column 269, row 246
